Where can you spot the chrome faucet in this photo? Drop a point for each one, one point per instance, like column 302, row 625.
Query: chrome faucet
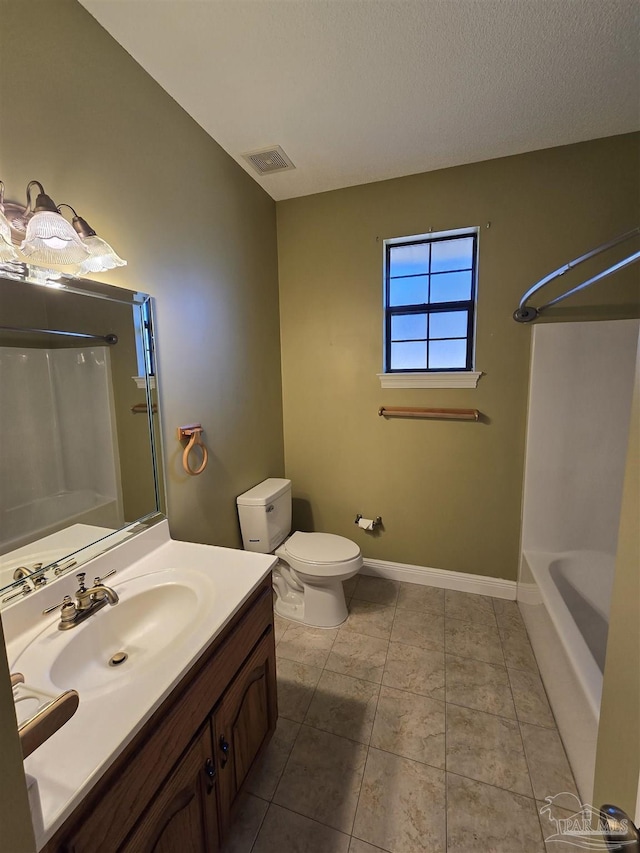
column 87, row 601
column 21, row 573
column 34, row 576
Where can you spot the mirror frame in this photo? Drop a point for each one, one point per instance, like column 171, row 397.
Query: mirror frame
column 38, row 277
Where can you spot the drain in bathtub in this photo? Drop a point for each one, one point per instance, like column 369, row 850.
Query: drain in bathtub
column 118, row 658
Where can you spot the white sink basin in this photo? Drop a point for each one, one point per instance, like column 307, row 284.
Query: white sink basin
column 156, row 611
column 140, row 627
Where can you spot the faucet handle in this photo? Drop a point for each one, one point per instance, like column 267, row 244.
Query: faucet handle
column 66, row 601
column 97, row 581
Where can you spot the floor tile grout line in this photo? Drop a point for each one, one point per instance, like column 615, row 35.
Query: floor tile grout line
column 324, row 669
column 329, row 732
column 365, row 758
column 518, row 712
column 375, row 714
column 261, row 824
column 491, row 785
column 315, row 689
column 562, row 746
column 482, row 711
column 408, row 758
column 284, row 766
column 306, row 817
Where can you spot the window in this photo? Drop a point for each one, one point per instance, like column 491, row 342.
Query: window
column 144, row 344
column 430, row 291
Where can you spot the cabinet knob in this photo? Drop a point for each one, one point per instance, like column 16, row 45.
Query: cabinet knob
column 210, row 772
column 224, row 748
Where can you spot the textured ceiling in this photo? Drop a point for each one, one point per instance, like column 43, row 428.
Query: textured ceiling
column 361, row 90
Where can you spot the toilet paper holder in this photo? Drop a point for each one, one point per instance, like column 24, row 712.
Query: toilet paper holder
column 375, row 522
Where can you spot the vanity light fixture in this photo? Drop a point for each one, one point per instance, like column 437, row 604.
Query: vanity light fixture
column 50, row 239
column 102, row 256
column 41, row 236
column 7, row 252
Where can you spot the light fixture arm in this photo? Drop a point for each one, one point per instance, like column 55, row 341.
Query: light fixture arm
column 81, row 225
column 43, row 202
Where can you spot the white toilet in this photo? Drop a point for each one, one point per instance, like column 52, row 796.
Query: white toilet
column 308, row 579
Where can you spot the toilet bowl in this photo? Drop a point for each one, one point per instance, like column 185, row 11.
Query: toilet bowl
column 312, row 566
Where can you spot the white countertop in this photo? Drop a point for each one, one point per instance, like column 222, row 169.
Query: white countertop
column 68, row 765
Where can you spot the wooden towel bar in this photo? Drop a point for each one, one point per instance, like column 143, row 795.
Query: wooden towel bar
column 441, row 414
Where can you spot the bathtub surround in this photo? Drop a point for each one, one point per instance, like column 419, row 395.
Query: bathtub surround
column 579, row 410
column 578, row 431
column 64, row 481
column 449, row 493
column 618, row 754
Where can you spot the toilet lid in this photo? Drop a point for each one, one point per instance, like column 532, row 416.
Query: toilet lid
column 321, row 548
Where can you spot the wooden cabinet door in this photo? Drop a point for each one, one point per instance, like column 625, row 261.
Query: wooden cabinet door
column 183, row 815
column 243, row 723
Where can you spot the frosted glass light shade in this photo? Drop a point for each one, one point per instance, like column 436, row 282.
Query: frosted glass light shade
column 101, row 256
column 50, row 239
column 7, row 250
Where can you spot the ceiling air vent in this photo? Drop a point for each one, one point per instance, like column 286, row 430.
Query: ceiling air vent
column 268, row 160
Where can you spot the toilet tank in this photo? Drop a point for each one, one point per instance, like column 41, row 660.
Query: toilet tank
column 265, row 515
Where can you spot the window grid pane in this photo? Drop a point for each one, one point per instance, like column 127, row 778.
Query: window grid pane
column 448, row 255
column 448, row 324
column 409, row 327
column 450, row 287
column 409, row 259
column 409, row 355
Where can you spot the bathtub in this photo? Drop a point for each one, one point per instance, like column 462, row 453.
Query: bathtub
column 565, row 599
column 28, row 522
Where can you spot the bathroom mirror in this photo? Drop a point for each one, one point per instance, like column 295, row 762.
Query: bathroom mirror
column 80, row 461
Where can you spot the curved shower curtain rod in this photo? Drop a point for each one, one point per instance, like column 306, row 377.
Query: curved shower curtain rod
column 526, row 313
column 110, row 339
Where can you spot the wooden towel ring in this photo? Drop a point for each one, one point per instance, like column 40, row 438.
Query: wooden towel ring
column 193, row 433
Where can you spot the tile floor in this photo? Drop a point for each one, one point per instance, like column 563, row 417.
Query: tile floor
column 421, row 724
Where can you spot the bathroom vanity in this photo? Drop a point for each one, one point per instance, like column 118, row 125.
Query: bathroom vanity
column 175, row 785
column 175, row 673
column 158, row 750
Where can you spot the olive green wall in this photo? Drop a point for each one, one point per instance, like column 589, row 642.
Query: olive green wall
column 618, row 754
column 199, row 235
column 449, row 492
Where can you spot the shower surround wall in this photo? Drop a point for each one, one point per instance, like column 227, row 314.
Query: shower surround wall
column 56, row 409
column 579, row 409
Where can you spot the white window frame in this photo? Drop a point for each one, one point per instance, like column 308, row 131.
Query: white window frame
column 430, row 378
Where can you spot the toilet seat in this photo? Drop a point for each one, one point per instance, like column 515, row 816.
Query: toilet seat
column 321, row 548
column 323, row 555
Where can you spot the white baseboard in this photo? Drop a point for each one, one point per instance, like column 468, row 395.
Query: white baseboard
column 462, row 581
